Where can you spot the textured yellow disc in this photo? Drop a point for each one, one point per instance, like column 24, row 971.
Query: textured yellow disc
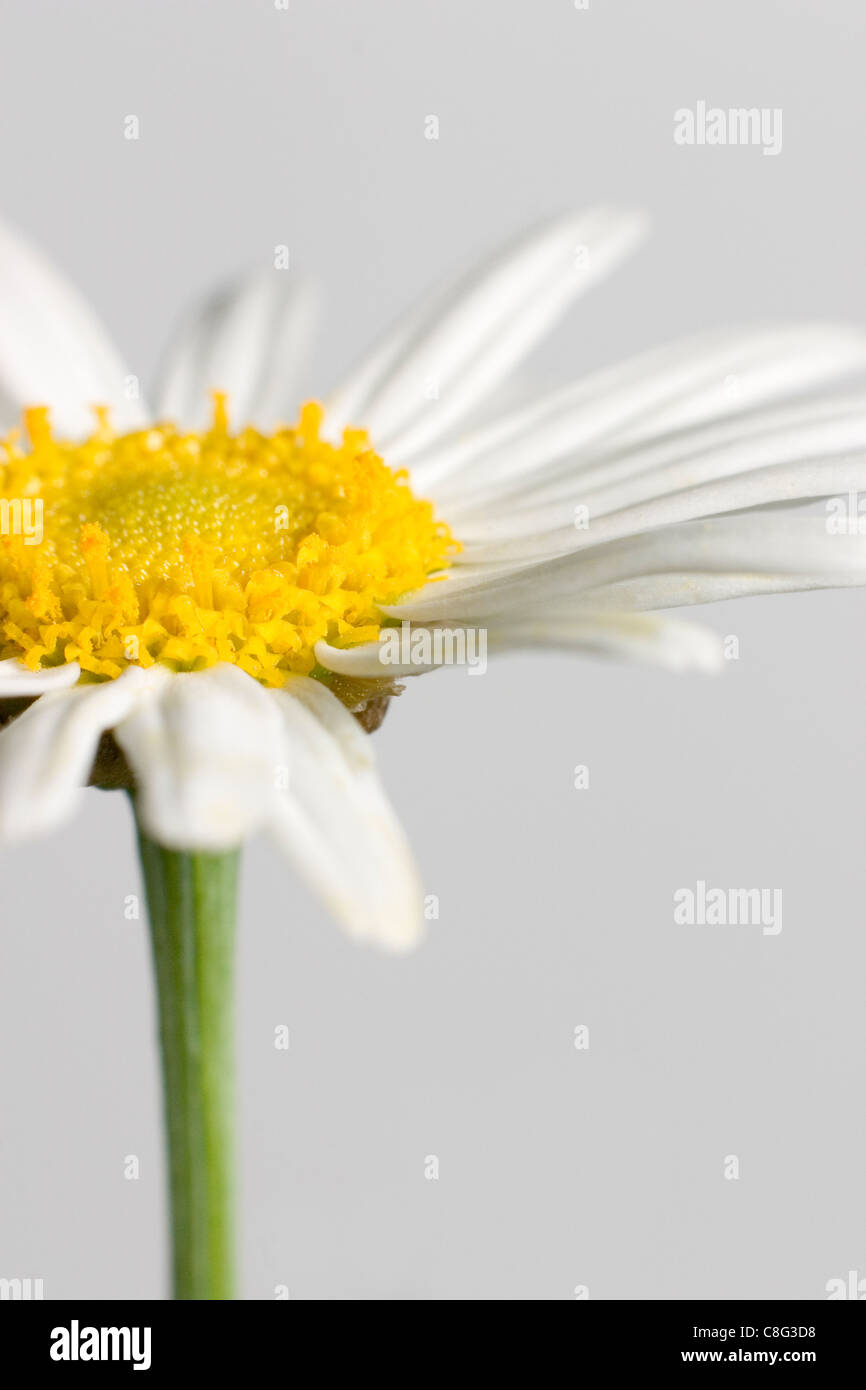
column 191, row 549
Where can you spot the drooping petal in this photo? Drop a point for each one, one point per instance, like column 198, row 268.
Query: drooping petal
column 53, row 350
column 248, row 340
column 384, row 658
column 634, row 636
column 46, row 754
column 17, row 679
column 335, row 823
column 366, row 661
column 206, row 748
column 667, row 642
column 463, row 344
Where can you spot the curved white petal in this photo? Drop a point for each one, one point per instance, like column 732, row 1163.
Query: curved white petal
column 206, row 749
column 366, row 661
column 807, row 357
column 667, row 642
column 730, row 444
column 445, row 644
column 759, row 549
column 335, row 823
column 465, row 343
column 723, row 482
column 53, row 351
column 17, row 679
column 247, row 339
column 47, row 752
column 683, row 589
column 635, row 636
column 718, row 376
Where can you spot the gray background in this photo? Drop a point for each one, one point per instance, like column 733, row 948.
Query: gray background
column 557, row 1167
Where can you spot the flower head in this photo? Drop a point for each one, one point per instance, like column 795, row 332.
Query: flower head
column 217, row 603
column 164, row 545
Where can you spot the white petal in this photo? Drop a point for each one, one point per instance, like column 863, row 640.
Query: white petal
column 365, row 661
column 683, row 590
column 206, row 749
column 809, row 357
column 247, row 340
column 763, row 549
column 46, row 754
column 335, row 823
column 372, row 660
column 785, row 467
column 728, row 445
column 783, row 483
column 571, row 417
column 668, row 642
column 718, row 375
column 17, row 679
column 53, row 351
column 467, row 342
column 818, row 430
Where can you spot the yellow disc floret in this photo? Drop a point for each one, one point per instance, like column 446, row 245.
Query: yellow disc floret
column 191, row 549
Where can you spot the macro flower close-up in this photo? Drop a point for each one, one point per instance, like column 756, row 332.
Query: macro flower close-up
column 222, row 599
column 202, row 616
column 422, row 877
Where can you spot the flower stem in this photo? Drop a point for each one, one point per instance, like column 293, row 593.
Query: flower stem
column 191, row 900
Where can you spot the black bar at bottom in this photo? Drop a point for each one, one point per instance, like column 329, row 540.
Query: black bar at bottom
column 69, row 1338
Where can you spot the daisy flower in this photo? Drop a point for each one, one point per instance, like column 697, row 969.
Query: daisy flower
column 211, row 602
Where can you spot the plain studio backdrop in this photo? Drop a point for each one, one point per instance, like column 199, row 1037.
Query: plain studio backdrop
column 610, row 1166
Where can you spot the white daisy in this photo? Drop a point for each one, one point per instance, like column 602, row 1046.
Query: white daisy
column 208, row 608
column 207, row 616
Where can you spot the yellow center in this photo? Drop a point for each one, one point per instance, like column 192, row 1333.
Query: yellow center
column 191, row 549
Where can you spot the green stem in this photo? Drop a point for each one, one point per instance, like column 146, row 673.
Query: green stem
column 191, row 900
